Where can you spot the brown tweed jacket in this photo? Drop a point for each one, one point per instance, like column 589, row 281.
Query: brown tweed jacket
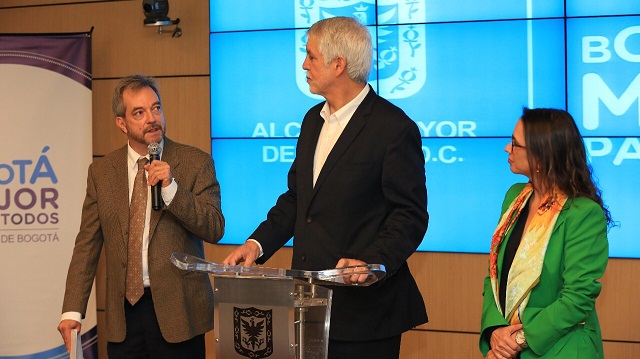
column 183, row 300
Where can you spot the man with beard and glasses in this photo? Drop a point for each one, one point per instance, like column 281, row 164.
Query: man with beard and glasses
column 153, row 309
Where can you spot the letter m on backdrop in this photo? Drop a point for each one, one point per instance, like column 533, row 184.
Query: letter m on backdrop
column 595, row 90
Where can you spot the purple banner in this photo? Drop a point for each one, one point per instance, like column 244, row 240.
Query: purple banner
column 69, row 54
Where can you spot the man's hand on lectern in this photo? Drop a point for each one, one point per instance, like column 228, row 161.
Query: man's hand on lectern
column 352, row 279
column 247, row 253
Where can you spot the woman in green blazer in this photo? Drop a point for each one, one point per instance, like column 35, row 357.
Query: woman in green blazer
column 549, row 250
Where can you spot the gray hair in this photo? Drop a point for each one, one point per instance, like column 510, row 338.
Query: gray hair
column 135, row 83
column 345, row 37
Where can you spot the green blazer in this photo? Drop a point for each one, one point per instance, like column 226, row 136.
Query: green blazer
column 560, row 320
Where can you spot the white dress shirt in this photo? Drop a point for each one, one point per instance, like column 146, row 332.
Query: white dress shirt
column 334, row 124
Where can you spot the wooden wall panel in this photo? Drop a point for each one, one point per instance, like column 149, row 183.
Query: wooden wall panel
column 618, row 303
column 4, row 4
column 122, row 45
column 451, row 284
column 421, row 344
column 619, row 350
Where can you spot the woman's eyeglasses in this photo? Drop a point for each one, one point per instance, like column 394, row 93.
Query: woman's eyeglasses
column 515, row 144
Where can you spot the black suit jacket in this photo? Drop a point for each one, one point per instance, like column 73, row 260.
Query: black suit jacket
column 369, row 203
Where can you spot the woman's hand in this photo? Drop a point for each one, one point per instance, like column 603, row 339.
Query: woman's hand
column 503, row 344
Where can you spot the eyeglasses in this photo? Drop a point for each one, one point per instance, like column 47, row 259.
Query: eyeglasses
column 515, row 144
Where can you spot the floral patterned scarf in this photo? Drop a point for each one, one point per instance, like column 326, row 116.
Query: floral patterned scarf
column 527, row 263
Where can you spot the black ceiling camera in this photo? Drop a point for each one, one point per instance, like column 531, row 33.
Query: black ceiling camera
column 156, row 12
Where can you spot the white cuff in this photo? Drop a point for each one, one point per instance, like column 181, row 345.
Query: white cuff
column 169, row 192
column 259, row 246
column 72, row 316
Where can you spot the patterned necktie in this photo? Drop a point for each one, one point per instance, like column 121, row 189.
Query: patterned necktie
column 137, row 212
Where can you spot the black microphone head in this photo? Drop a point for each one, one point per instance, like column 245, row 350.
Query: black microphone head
column 154, row 149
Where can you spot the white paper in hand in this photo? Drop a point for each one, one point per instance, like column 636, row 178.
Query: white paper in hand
column 76, row 345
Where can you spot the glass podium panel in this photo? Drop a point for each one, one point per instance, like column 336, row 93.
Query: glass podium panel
column 262, row 312
column 270, row 317
column 335, row 276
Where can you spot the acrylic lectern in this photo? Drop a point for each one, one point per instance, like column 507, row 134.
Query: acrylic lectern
column 262, row 312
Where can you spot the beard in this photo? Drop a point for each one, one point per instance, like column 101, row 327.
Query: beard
column 149, row 135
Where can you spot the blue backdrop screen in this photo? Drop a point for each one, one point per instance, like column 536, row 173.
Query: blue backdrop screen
column 463, row 70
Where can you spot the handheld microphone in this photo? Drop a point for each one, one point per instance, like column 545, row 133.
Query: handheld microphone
column 156, row 190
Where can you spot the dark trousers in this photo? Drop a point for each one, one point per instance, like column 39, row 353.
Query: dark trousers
column 144, row 339
column 387, row 348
